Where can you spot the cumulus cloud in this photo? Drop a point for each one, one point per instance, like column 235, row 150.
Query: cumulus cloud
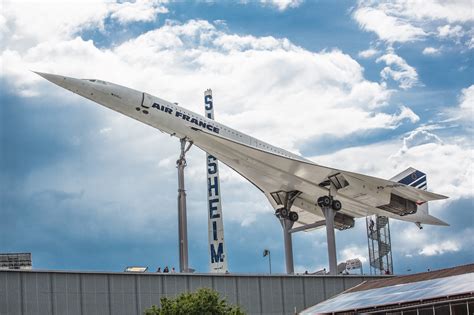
column 353, row 251
column 440, row 248
column 140, row 10
column 399, row 70
column 25, row 23
column 388, row 28
column 447, row 30
column 464, row 111
column 431, row 51
column 368, row 53
column 466, row 104
column 406, row 21
column 282, row 5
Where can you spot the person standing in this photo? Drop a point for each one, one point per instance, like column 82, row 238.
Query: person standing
column 166, row 270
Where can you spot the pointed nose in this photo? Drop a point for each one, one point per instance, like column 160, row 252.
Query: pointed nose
column 56, row 79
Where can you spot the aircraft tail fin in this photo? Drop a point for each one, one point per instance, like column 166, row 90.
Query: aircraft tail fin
column 415, row 178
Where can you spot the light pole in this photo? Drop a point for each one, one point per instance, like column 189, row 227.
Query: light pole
column 266, row 252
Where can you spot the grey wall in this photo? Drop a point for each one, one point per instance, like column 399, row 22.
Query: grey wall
column 57, row 292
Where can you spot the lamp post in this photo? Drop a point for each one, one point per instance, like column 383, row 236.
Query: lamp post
column 266, row 252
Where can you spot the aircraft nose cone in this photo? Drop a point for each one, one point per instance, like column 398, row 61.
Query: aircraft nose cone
column 56, row 79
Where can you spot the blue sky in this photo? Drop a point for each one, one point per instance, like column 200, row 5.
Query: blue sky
column 362, row 86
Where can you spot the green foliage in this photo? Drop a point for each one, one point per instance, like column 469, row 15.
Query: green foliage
column 203, row 301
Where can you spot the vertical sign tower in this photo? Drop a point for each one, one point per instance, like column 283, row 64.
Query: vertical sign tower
column 217, row 250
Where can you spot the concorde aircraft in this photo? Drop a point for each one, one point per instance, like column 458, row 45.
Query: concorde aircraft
column 299, row 190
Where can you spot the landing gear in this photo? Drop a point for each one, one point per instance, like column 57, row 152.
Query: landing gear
column 329, row 207
column 293, row 216
column 285, row 214
column 287, row 218
column 336, row 205
column 328, row 201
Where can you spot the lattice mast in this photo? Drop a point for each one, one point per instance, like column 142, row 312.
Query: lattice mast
column 380, row 246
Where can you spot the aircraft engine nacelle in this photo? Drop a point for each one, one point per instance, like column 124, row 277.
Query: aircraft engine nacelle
column 343, row 221
column 400, row 205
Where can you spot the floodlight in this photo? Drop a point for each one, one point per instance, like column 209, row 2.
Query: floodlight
column 135, row 269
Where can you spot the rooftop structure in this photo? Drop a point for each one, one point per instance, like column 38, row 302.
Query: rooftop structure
column 446, row 291
column 15, row 261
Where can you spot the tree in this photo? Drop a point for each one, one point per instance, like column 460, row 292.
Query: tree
column 203, row 301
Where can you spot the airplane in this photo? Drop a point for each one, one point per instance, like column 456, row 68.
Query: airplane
column 299, row 190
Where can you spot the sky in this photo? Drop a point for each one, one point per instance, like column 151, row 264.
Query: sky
column 365, row 86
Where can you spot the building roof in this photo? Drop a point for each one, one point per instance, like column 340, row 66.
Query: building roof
column 426, row 286
column 373, row 284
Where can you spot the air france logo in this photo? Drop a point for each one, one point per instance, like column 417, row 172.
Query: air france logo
column 184, row 116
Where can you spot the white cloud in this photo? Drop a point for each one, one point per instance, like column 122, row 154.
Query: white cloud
column 282, row 5
column 388, row 28
column 353, row 251
column 399, row 70
column 140, row 10
column 464, row 111
column 431, row 51
column 447, row 30
column 451, row 11
column 467, row 102
column 25, row 23
column 368, row 53
column 406, row 21
column 440, row 248
column 419, row 137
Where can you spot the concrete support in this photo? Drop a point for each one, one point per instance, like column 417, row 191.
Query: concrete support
column 287, row 239
column 182, row 216
column 329, row 213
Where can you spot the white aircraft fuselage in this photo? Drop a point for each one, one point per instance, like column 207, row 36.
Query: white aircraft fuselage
column 268, row 167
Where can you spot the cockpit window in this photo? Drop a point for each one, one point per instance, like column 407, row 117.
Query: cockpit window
column 98, row 81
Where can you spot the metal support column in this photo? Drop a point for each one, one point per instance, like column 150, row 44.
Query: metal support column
column 329, row 213
column 287, row 225
column 286, row 199
column 182, row 216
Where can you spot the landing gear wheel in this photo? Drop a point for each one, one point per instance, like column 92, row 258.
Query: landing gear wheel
column 324, row 201
column 293, row 216
column 284, row 212
column 336, row 205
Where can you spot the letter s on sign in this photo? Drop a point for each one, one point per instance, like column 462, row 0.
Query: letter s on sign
column 208, row 102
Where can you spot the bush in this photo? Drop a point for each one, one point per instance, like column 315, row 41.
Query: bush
column 203, row 301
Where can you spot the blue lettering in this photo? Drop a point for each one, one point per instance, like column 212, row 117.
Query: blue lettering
column 211, row 165
column 217, row 257
column 213, row 209
column 214, row 230
column 208, row 102
column 213, row 186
